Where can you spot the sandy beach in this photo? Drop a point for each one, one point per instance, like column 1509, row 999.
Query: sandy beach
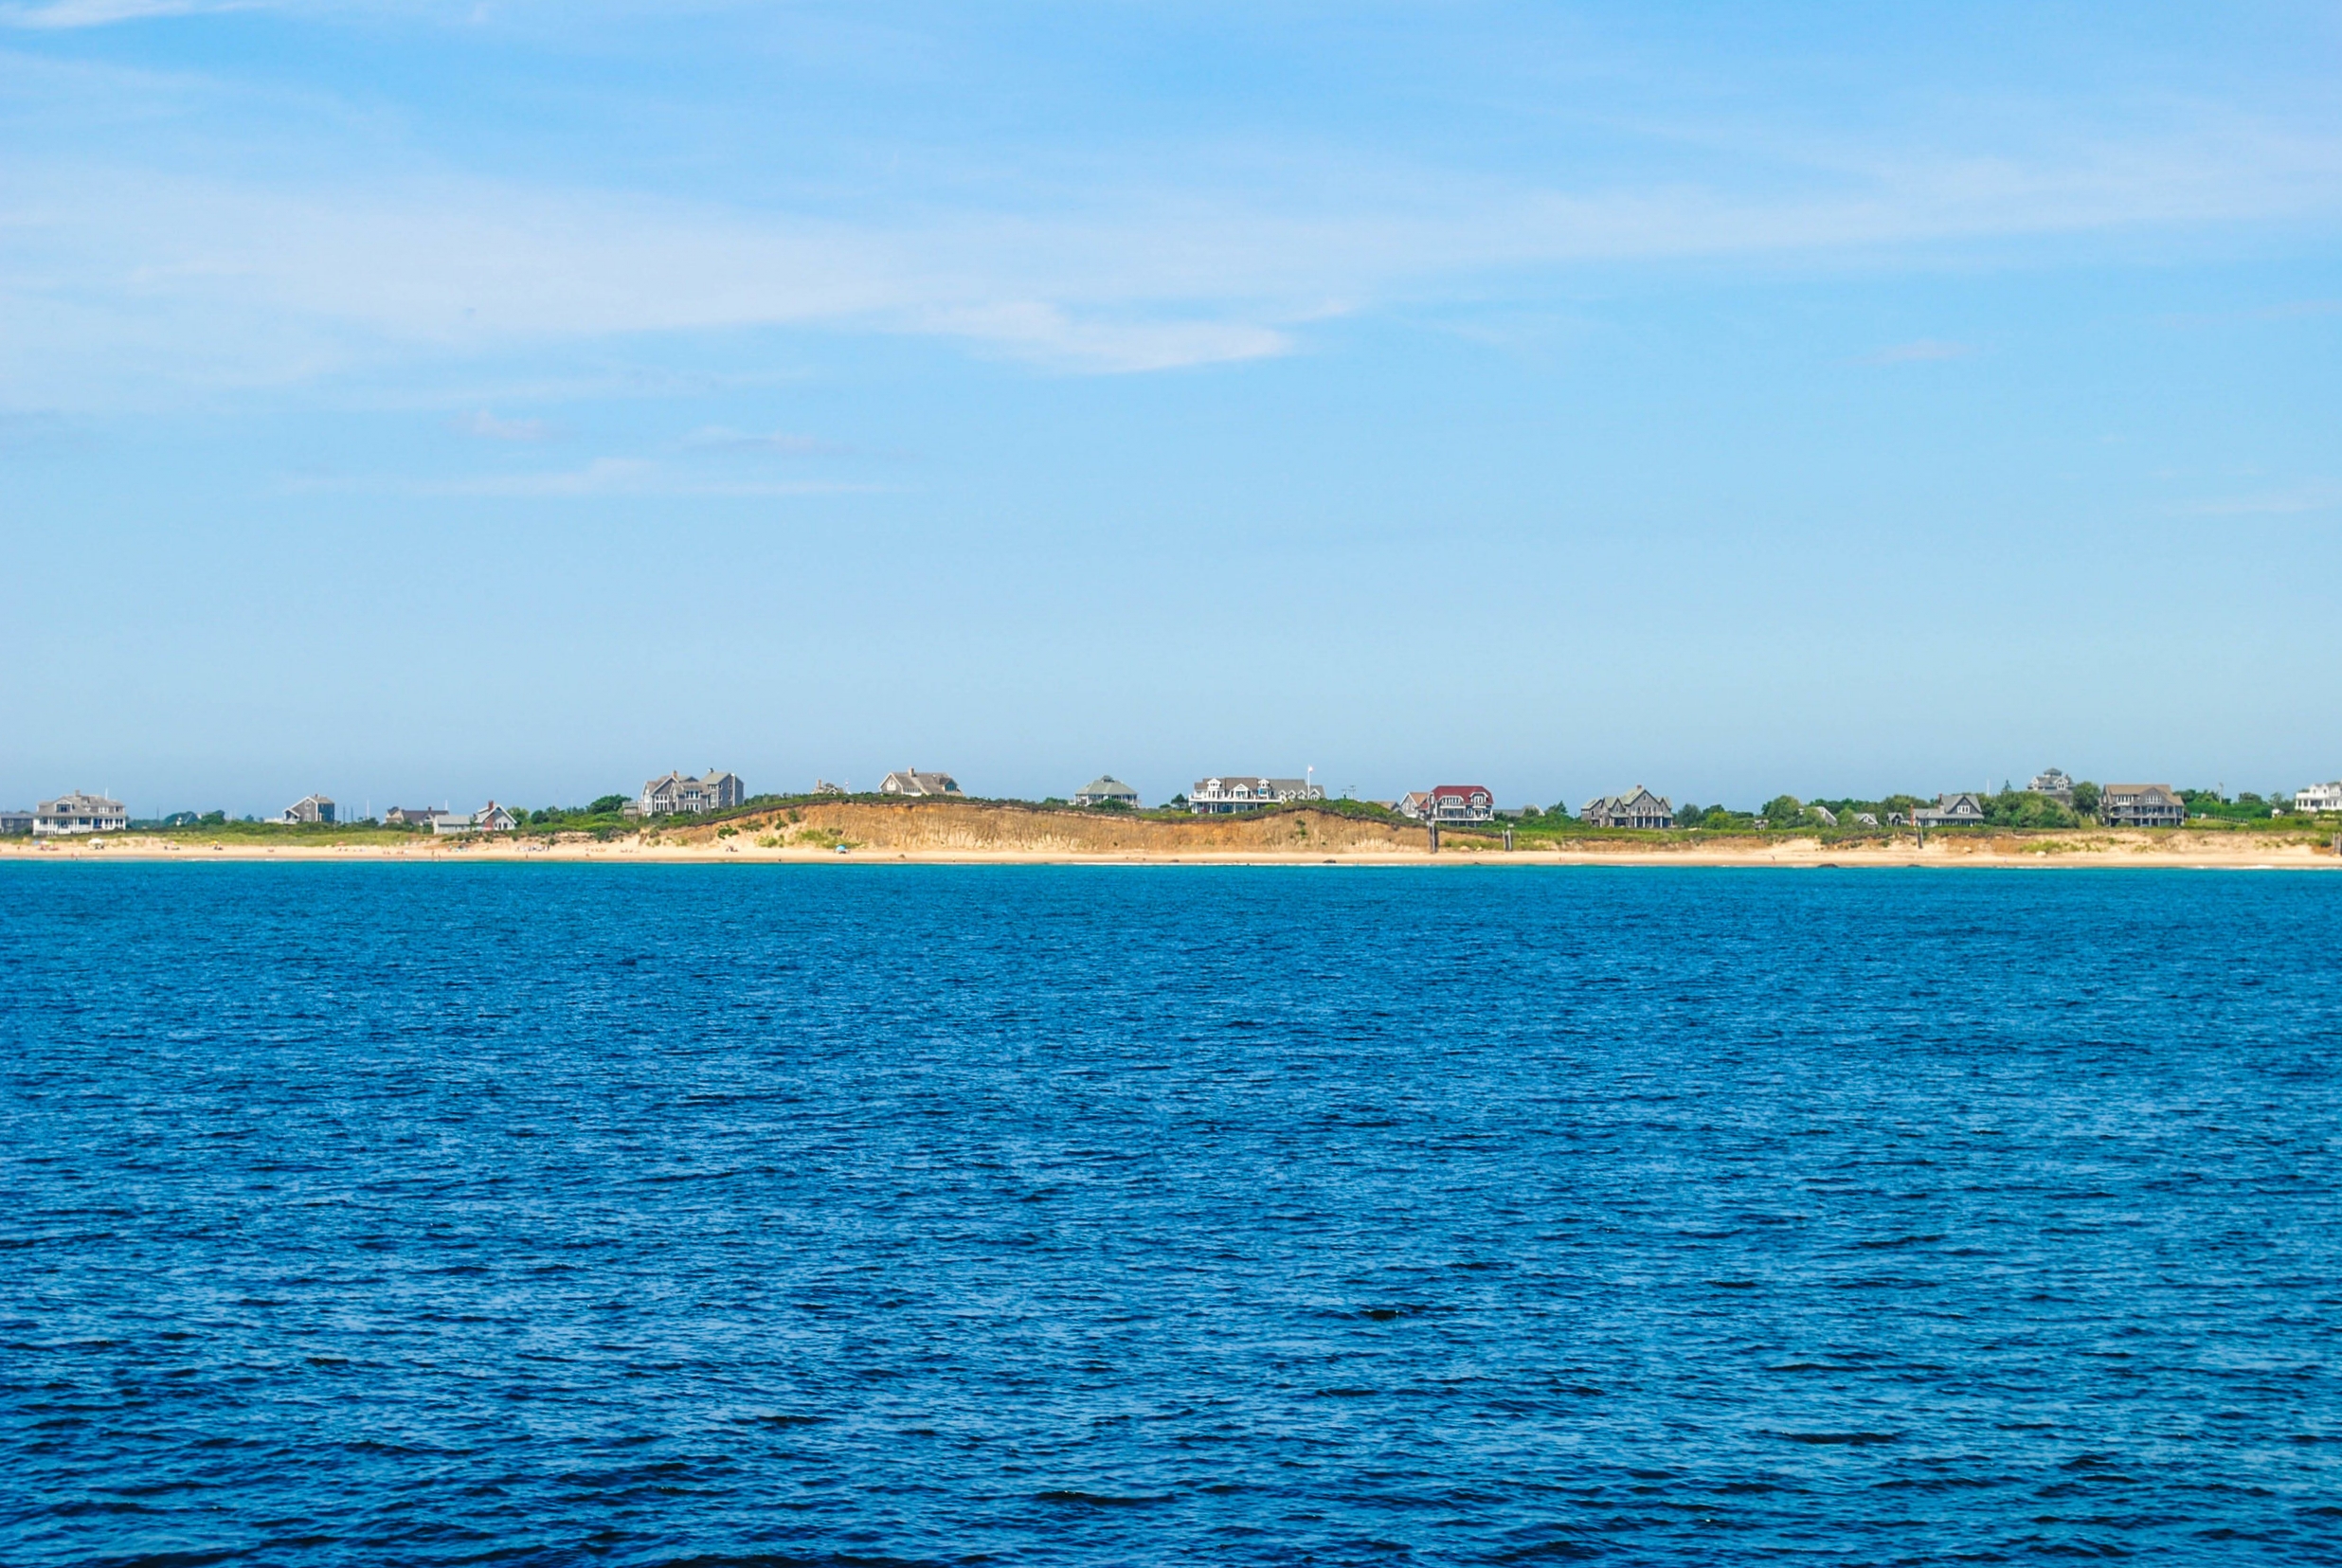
column 993, row 834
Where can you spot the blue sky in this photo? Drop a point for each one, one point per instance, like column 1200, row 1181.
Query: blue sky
column 428, row 402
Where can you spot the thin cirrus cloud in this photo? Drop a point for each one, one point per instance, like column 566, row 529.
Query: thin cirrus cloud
column 602, row 477
column 487, row 426
column 630, row 477
column 2297, row 501
column 220, row 277
column 1924, row 350
column 65, row 14
column 718, row 438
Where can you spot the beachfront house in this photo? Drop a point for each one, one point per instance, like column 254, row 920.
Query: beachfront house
column 674, row 794
column 1965, row 809
column 1243, row 792
column 491, row 818
column 1637, row 807
column 309, row 808
column 2141, row 805
column 15, row 821
column 410, row 816
column 1823, row 815
column 2053, row 783
column 1106, row 790
column 914, row 785
column 78, row 812
column 823, row 787
column 2325, row 796
column 1450, row 804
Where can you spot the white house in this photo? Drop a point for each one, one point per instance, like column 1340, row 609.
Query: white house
column 1240, row 792
column 78, row 812
column 2325, row 796
column 912, row 785
column 1106, row 787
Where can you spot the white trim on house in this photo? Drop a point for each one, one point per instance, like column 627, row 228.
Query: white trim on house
column 912, row 785
column 1458, row 803
column 77, row 812
column 309, row 808
column 1241, row 792
column 491, row 818
column 1638, row 808
column 1105, row 787
column 672, row 794
column 2325, row 796
column 2141, row 805
column 1965, row 809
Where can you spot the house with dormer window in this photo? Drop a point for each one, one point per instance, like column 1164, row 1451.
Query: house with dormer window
column 1637, row 808
column 1240, row 792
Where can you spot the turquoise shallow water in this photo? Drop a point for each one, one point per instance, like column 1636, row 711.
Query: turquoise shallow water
column 826, row 1215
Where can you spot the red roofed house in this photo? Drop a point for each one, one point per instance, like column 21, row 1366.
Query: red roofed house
column 1450, row 804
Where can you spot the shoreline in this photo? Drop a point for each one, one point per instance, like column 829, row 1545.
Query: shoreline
column 1005, row 833
column 1789, row 854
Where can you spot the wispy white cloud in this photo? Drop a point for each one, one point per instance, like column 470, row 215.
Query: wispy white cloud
column 1048, row 335
column 1919, row 352
column 602, row 477
column 62, row 14
column 487, row 426
column 2318, row 495
column 107, row 267
column 723, row 439
column 630, row 477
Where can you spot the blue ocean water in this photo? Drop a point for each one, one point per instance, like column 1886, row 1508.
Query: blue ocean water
column 366, row 1214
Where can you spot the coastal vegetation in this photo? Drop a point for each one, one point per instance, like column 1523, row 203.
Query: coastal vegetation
column 2014, row 822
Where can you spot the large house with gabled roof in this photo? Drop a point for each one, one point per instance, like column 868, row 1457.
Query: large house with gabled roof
column 1638, row 807
column 78, row 812
column 2141, row 805
column 1237, row 792
column 913, row 784
column 1965, row 809
column 1106, row 790
column 674, row 794
column 1450, row 803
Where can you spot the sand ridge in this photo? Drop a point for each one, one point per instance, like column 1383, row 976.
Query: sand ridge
column 955, row 832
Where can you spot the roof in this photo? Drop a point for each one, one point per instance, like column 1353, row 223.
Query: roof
column 1105, row 783
column 80, row 800
column 1461, row 791
column 913, row 779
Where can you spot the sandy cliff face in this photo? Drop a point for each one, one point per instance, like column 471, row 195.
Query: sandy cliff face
column 983, row 831
column 976, row 828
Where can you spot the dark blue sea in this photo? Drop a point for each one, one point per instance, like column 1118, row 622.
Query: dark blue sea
column 572, row 1214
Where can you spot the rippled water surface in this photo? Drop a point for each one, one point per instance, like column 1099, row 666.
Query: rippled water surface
column 632, row 1215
